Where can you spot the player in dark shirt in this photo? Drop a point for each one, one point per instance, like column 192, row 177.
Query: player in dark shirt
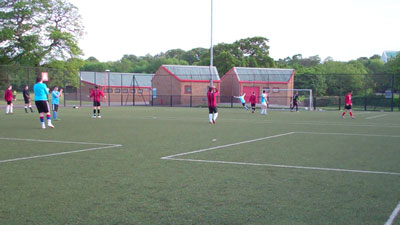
column 27, row 99
column 295, row 102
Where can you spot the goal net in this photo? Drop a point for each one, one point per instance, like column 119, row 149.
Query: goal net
column 283, row 98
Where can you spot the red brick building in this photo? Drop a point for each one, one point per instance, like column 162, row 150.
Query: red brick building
column 176, row 85
column 123, row 88
column 240, row 80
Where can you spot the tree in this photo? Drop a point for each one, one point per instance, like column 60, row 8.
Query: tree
column 37, row 31
column 224, row 62
column 64, row 73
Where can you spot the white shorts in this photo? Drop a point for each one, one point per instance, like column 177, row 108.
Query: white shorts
column 264, row 104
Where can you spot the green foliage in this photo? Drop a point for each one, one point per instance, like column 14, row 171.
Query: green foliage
column 64, row 73
column 38, row 31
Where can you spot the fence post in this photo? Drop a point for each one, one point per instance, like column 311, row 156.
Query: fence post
column 120, row 91
column 190, row 101
column 65, row 86
column 365, row 94
column 80, row 89
column 315, row 103
column 340, row 102
column 108, row 88
column 232, row 101
column 134, row 90
column 171, row 100
column 392, row 103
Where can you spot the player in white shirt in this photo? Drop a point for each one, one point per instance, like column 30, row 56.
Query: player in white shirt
column 264, row 102
column 241, row 98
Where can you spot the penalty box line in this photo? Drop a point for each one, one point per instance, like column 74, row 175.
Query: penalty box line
column 104, row 146
column 173, row 157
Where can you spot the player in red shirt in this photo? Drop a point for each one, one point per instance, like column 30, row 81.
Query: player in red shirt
column 8, row 97
column 253, row 101
column 348, row 102
column 96, row 94
column 212, row 104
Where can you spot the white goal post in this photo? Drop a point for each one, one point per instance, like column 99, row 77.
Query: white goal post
column 283, row 98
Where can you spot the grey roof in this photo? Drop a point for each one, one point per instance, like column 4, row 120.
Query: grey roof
column 386, row 55
column 263, row 74
column 101, row 78
column 192, row 72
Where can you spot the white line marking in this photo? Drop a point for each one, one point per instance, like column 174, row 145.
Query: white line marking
column 286, row 166
column 363, row 113
column 228, row 145
column 393, row 216
column 53, row 141
column 172, row 157
column 349, row 134
column 373, row 117
column 59, row 153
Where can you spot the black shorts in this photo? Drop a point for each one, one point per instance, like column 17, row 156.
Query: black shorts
column 253, row 105
column 212, row 110
column 27, row 100
column 95, row 104
column 294, row 102
column 348, row 107
column 55, row 107
column 42, row 106
column 9, row 102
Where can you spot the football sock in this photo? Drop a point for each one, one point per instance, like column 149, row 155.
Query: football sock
column 54, row 115
column 351, row 114
column 215, row 116
column 94, row 112
column 30, row 107
column 26, row 109
column 42, row 119
column 48, row 118
column 98, row 112
column 210, row 117
column 11, row 109
column 7, row 109
column 344, row 113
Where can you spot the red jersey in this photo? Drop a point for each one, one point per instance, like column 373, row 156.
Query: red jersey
column 96, row 95
column 253, row 99
column 347, row 99
column 211, row 97
column 8, row 96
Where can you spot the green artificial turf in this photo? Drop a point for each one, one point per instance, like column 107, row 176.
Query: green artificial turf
column 235, row 184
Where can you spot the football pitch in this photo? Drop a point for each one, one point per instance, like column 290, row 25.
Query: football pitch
column 149, row 165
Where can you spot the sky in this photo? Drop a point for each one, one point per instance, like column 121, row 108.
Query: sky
column 341, row 29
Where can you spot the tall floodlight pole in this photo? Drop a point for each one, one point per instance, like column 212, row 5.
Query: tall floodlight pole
column 211, row 48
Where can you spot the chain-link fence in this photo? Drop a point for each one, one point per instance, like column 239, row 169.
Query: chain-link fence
column 189, row 89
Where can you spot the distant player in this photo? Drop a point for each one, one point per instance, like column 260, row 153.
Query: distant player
column 241, row 98
column 27, row 99
column 8, row 97
column 41, row 91
column 212, row 104
column 96, row 94
column 348, row 102
column 264, row 103
column 295, row 102
column 55, row 100
column 253, row 101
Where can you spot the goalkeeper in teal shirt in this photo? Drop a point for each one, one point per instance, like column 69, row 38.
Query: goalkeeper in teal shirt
column 55, row 101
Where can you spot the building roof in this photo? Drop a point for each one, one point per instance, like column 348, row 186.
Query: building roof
column 263, row 74
column 187, row 73
column 128, row 79
column 386, row 55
